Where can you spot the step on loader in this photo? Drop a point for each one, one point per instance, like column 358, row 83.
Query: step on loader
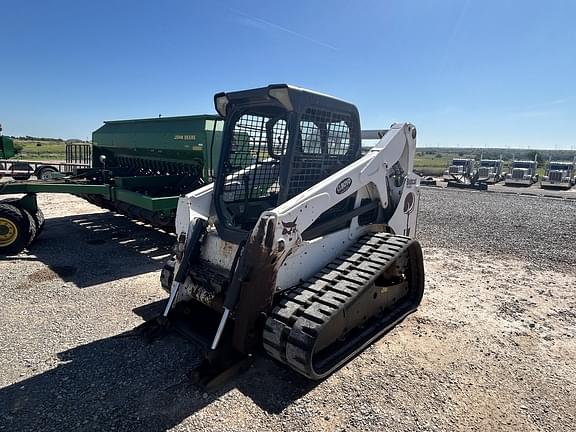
column 300, row 246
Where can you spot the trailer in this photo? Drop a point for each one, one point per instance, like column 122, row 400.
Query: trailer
column 468, row 182
column 139, row 169
column 78, row 156
column 20, row 169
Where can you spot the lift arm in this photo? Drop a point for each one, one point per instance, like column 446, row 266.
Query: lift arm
column 372, row 171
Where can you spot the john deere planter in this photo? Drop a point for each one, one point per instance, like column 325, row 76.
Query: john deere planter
column 139, row 168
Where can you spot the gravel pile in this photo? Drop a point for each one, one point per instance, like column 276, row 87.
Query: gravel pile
column 492, row 346
column 541, row 230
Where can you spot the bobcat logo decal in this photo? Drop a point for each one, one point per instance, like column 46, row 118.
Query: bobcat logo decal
column 344, row 185
column 289, row 227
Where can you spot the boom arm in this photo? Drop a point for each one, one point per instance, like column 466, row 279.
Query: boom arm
column 372, row 173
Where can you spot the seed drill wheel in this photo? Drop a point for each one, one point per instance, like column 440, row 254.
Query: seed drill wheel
column 40, row 220
column 17, row 229
column 37, row 217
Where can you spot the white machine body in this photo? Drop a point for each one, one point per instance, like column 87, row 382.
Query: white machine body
column 384, row 174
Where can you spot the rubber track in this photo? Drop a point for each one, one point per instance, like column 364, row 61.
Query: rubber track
column 292, row 329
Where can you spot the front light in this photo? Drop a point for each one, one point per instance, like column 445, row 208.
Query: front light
column 281, row 95
column 221, row 102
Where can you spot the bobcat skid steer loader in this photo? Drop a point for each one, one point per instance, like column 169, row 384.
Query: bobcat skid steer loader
column 300, row 246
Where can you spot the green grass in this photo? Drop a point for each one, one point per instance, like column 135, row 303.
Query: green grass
column 430, row 164
column 41, row 150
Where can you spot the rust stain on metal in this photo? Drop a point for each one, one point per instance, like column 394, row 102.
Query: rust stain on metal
column 257, row 271
column 199, row 293
column 269, row 240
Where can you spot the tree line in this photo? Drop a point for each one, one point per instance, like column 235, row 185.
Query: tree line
column 44, row 139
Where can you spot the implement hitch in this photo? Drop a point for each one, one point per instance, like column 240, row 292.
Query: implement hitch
column 196, row 322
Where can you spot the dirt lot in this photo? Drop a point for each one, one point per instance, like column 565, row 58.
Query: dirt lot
column 493, row 346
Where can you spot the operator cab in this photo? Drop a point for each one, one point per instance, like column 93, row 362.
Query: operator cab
column 278, row 141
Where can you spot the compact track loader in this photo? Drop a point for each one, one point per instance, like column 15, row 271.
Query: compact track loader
column 301, row 245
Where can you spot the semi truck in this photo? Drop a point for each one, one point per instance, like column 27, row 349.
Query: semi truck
column 490, row 170
column 459, row 169
column 559, row 174
column 522, row 172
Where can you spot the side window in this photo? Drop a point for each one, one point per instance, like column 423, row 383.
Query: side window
column 310, row 138
column 338, row 138
column 279, row 138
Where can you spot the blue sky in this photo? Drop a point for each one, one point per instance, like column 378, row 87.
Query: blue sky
column 466, row 73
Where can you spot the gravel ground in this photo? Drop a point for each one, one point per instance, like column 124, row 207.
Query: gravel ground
column 538, row 229
column 491, row 348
